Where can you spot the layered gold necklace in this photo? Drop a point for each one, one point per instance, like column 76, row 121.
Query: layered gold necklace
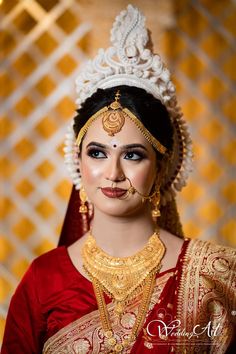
column 122, row 278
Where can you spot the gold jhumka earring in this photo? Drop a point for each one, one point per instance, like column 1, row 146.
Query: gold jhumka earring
column 155, row 200
column 83, row 197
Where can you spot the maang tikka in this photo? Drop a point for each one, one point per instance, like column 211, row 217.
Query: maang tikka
column 113, row 119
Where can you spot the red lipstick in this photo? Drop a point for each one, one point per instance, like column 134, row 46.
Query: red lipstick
column 113, row 192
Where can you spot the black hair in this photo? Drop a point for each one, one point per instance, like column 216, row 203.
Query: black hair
column 149, row 110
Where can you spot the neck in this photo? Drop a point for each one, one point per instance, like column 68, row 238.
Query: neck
column 122, row 236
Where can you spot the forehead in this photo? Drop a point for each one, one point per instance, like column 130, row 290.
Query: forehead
column 129, row 134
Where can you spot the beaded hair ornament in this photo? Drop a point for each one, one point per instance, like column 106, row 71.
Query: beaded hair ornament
column 129, row 61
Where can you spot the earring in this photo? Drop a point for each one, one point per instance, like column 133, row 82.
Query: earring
column 155, row 200
column 83, row 197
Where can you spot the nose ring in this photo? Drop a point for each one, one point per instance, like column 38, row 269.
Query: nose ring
column 122, row 177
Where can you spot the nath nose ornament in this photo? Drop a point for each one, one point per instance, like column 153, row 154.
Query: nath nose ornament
column 122, row 177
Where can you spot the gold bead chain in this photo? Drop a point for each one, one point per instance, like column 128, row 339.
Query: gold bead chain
column 142, row 311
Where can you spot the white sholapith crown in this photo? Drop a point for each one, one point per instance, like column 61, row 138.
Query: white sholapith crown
column 130, row 62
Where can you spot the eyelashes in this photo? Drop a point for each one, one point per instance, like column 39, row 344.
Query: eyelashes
column 96, row 153
column 133, row 155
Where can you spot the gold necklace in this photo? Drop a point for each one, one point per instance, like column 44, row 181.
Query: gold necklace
column 113, row 345
column 122, row 278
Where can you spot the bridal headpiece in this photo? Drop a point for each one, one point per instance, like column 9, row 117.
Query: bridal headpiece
column 129, row 61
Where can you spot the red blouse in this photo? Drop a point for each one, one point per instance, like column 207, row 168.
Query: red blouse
column 53, row 294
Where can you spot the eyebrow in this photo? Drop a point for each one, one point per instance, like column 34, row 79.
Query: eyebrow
column 124, row 147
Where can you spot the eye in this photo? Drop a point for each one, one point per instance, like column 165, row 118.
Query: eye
column 133, row 155
column 96, row 154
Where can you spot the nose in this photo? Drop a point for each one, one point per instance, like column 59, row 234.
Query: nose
column 114, row 171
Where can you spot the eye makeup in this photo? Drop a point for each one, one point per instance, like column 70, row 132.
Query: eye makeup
column 98, row 150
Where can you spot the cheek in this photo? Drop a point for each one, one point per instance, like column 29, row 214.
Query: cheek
column 143, row 177
column 90, row 170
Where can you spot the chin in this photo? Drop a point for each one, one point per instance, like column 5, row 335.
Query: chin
column 120, row 210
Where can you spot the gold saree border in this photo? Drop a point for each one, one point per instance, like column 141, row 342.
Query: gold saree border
column 207, row 293
column 85, row 335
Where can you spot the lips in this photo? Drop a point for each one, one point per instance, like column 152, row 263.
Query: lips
column 113, row 192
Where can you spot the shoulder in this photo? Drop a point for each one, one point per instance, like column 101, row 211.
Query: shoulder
column 49, row 259
column 44, row 263
column 209, row 249
column 49, row 273
column 53, row 267
column 212, row 260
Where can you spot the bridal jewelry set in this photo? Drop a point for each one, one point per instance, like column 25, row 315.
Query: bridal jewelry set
column 129, row 61
column 123, row 279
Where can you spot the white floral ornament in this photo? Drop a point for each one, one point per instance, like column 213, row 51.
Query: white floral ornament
column 71, row 156
column 130, row 62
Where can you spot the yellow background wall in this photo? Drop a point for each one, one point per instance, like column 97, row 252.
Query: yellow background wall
column 42, row 44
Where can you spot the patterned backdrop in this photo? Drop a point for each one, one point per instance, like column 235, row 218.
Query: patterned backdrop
column 42, row 45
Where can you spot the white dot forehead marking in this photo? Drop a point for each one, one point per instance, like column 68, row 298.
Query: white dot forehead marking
column 114, row 143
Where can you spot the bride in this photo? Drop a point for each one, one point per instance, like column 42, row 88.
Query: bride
column 124, row 279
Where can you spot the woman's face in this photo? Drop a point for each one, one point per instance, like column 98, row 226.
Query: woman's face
column 108, row 163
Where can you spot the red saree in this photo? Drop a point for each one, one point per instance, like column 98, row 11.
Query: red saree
column 54, row 309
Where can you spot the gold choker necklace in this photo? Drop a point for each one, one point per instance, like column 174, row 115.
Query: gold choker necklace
column 122, row 278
